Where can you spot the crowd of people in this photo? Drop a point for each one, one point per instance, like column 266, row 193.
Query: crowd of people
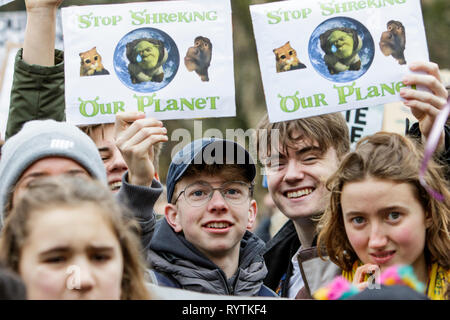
column 78, row 213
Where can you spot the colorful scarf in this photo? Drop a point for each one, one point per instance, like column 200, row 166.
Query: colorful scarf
column 342, row 287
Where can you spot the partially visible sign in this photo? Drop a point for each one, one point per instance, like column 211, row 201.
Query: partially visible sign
column 169, row 59
column 363, row 122
column 322, row 57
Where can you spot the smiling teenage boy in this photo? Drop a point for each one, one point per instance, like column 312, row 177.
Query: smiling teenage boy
column 307, row 153
column 203, row 244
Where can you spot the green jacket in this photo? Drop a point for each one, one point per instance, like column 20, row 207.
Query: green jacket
column 37, row 93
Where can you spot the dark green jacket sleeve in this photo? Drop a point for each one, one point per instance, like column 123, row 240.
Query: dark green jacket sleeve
column 37, row 93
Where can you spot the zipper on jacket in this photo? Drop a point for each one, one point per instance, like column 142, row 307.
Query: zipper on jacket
column 228, row 287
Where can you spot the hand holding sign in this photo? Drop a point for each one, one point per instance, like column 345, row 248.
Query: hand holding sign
column 425, row 105
column 136, row 137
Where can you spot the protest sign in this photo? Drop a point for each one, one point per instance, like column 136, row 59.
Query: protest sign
column 394, row 117
column 322, row 57
column 171, row 60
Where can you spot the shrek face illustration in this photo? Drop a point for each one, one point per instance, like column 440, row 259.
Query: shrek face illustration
column 341, row 44
column 147, row 54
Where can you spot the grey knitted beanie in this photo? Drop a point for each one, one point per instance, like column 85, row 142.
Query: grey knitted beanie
column 40, row 139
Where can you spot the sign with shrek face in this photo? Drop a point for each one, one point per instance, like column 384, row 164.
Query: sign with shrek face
column 149, row 55
column 154, row 57
column 322, row 57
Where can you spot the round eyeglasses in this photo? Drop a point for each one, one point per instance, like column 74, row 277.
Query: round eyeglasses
column 199, row 193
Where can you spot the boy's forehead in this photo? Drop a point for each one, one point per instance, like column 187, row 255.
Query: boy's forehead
column 293, row 145
column 218, row 178
column 225, row 173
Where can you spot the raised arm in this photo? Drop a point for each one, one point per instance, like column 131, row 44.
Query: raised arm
column 39, row 44
column 38, row 83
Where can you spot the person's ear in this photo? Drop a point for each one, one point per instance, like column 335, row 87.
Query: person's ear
column 173, row 217
column 252, row 212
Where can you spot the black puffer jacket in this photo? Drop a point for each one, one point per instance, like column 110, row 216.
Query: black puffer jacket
column 278, row 254
column 172, row 256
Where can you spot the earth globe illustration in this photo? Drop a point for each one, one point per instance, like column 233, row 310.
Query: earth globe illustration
column 316, row 54
column 170, row 67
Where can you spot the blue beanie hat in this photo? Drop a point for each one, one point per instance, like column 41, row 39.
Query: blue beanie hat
column 208, row 151
column 40, row 139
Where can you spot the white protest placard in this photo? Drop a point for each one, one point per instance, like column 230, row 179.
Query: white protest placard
column 169, row 59
column 322, row 57
column 363, row 122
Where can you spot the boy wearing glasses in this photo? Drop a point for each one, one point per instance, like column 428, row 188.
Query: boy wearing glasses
column 203, row 244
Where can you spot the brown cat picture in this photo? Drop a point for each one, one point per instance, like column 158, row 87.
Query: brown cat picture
column 286, row 58
column 91, row 63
